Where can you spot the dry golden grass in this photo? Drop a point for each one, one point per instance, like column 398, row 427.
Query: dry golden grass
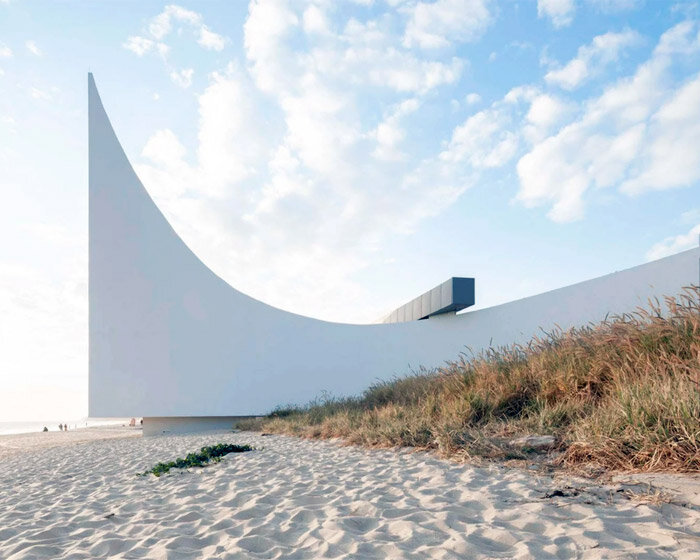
column 620, row 395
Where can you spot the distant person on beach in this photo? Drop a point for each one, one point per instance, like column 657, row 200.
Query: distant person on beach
column 65, row 427
column 45, row 429
column 60, row 427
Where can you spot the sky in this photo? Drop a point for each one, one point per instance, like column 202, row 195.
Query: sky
column 337, row 159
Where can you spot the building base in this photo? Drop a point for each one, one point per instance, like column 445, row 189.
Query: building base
column 171, row 425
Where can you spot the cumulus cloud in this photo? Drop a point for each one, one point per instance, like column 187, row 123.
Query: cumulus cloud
column 299, row 186
column 159, row 29
column 559, row 12
column 162, row 24
column 615, row 6
column 484, row 140
column 636, row 135
column 389, row 133
column 315, row 20
column 139, row 45
column 307, row 158
column 472, row 98
column 674, row 244
column 33, row 48
column 592, row 59
column 182, row 78
column 210, row 40
column 438, row 24
column 546, row 111
column 5, row 51
column 41, row 94
column 670, row 157
column 164, row 148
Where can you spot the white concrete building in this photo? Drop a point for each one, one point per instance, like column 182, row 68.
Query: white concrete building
column 174, row 343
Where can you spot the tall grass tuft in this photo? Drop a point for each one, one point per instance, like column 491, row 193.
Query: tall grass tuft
column 623, row 394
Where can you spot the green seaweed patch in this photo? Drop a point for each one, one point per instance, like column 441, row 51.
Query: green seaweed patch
column 206, row 455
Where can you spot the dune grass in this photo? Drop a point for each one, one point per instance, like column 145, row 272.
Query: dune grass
column 620, row 395
column 201, row 459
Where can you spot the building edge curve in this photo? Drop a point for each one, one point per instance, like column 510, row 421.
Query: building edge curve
column 168, row 338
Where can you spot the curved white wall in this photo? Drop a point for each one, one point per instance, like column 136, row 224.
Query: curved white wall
column 170, row 338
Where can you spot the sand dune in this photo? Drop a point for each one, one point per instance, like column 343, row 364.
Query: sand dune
column 313, row 499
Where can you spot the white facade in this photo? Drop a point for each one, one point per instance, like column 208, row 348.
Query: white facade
column 169, row 338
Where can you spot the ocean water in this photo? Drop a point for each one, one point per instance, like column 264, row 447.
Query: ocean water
column 52, row 425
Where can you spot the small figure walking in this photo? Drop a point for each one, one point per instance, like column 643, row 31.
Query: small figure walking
column 60, row 427
column 65, row 427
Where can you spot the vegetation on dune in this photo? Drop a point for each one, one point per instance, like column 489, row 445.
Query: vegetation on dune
column 204, row 457
column 621, row 395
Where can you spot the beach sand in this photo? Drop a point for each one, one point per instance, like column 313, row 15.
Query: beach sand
column 23, row 443
column 295, row 498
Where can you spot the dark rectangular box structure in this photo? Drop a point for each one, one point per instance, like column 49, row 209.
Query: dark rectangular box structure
column 451, row 296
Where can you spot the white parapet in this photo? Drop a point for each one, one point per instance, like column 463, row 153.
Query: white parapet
column 170, row 339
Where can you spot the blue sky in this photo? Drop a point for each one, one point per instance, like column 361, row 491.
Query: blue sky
column 337, row 159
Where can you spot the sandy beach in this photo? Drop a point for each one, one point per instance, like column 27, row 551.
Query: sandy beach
column 294, row 498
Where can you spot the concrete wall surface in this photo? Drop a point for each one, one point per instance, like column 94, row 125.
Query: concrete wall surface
column 169, row 338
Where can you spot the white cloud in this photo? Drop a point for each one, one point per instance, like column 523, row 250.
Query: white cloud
column 674, row 244
column 484, row 140
column 472, row 98
column 163, row 148
column 520, row 94
column 161, row 27
column 592, row 59
column 265, row 30
column 312, row 173
column 691, row 216
column 389, row 133
column 182, row 78
column 546, row 112
column 33, row 48
column 210, row 40
column 226, row 116
column 37, row 93
column 438, row 24
column 138, row 45
column 363, row 53
column 5, row 51
column 324, row 166
column 560, row 12
column 637, row 136
column 683, row 38
column 615, row 6
column 315, row 21
column 670, row 157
